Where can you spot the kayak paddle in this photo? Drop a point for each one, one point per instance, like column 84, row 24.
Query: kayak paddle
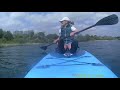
column 109, row 20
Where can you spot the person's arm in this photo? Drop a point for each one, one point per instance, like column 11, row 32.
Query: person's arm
column 74, row 31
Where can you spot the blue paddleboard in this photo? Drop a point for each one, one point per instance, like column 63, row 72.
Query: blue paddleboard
column 81, row 65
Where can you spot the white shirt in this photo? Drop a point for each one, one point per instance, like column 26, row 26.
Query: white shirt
column 72, row 28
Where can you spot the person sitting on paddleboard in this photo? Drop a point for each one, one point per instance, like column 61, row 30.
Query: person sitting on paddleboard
column 67, row 30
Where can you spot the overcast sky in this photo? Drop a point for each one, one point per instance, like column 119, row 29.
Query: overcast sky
column 48, row 22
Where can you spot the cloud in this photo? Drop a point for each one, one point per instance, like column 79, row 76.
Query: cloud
column 49, row 21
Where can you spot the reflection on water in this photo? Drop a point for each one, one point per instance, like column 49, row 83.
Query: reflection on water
column 17, row 61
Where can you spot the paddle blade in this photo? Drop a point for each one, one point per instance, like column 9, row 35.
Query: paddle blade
column 44, row 47
column 109, row 20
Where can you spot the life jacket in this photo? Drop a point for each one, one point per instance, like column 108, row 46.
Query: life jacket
column 65, row 32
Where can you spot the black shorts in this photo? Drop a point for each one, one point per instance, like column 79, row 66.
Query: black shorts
column 60, row 47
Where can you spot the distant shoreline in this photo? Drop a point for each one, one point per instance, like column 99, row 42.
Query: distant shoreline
column 98, row 40
column 17, row 44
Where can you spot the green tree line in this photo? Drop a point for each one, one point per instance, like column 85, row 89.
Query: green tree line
column 31, row 37
column 95, row 37
column 40, row 37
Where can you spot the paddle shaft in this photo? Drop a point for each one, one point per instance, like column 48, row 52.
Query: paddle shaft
column 85, row 29
column 75, row 33
column 82, row 30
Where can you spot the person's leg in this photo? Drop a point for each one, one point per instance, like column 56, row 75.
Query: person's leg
column 69, row 46
column 65, row 46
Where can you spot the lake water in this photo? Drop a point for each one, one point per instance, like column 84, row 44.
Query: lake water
column 15, row 62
